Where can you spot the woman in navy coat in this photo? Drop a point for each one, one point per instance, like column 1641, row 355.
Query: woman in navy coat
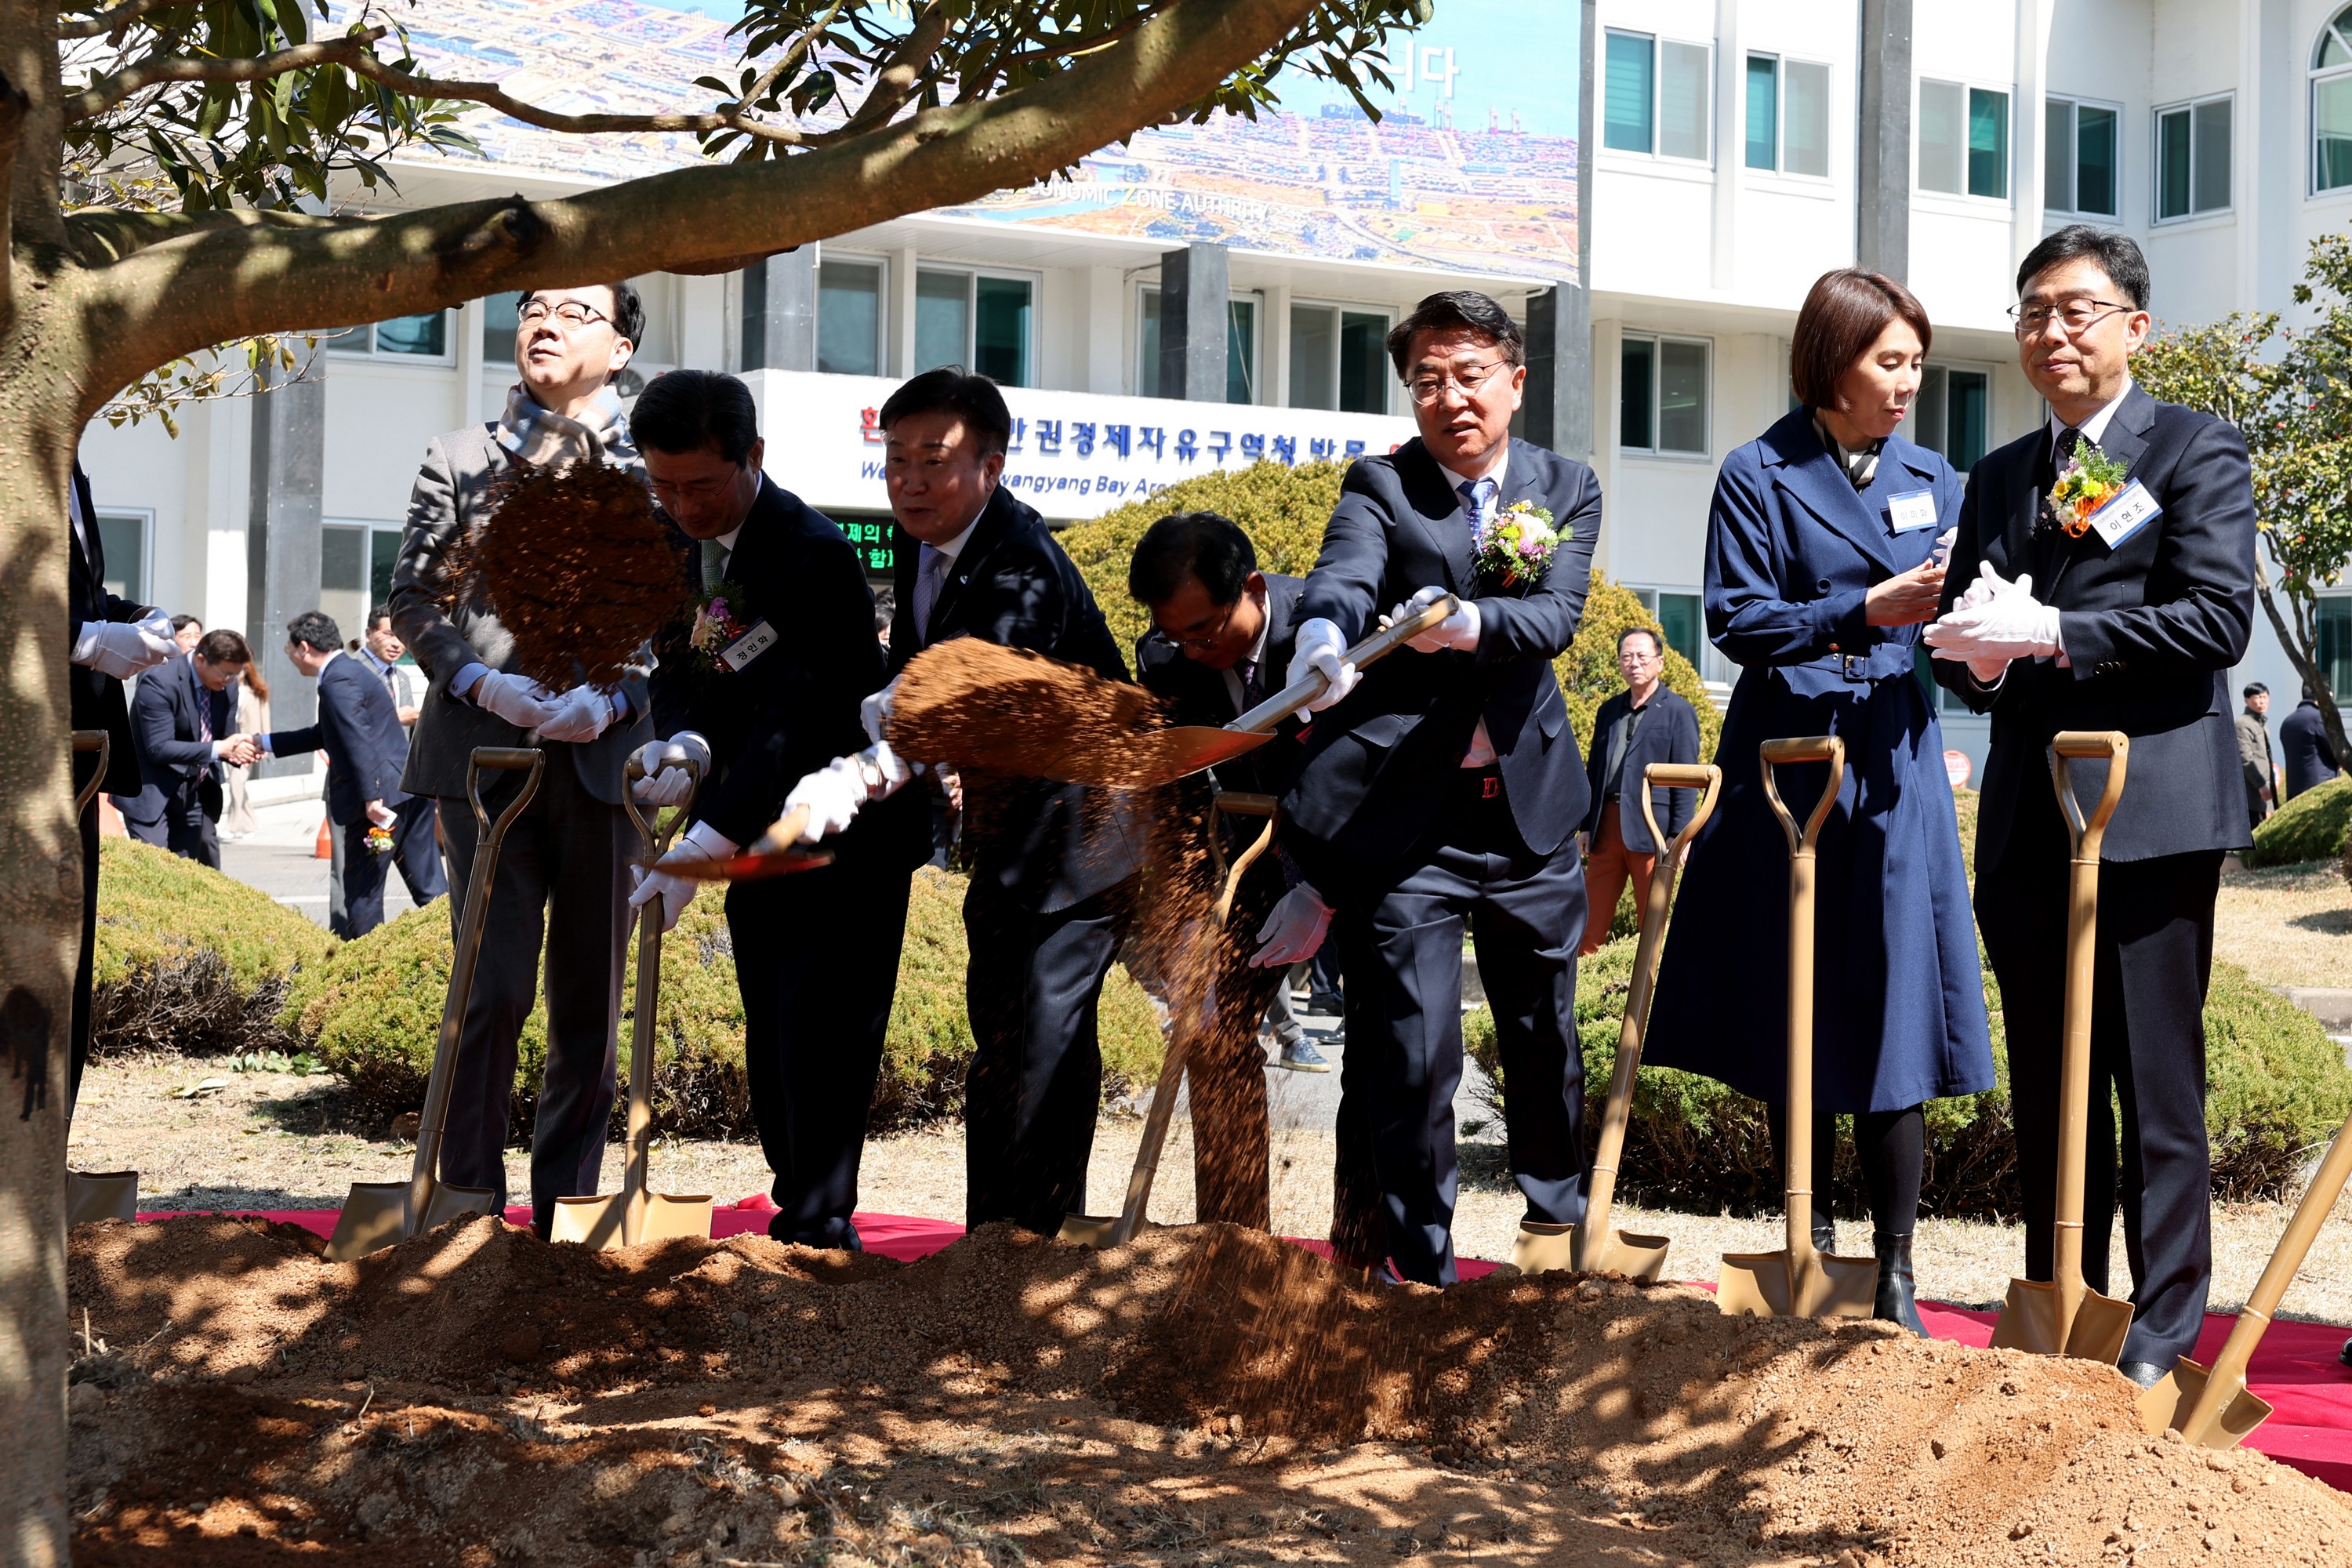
column 1823, row 559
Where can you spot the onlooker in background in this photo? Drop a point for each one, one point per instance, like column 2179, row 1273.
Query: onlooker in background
column 1643, row 724
column 885, row 605
column 185, row 630
column 2308, row 759
column 185, row 723
column 252, row 719
column 2254, row 751
column 382, row 648
column 366, row 749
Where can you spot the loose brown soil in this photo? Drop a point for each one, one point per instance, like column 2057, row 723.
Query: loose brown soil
column 475, row 1396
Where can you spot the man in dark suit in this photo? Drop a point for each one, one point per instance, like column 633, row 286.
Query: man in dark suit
column 2131, row 625
column 1444, row 787
column 359, row 729
column 184, row 720
column 563, row 871
column 1222, row 634
column 1053, row 883
column 108, row 638
column 816, row 954
column 1643, row 724
column 2304, row 749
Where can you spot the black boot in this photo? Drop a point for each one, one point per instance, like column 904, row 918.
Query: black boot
column 1824, row 1232
column 1896, row 1302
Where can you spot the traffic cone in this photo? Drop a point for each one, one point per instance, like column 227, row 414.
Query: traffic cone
column 326, row 847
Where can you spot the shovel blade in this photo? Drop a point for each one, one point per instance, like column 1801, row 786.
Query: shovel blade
column 1848, row 1289
column 1088, row 1230
column 101, row 1195
column 2032, row 1319
column 748, row 868
column 1540, row 1248
column 2174, row 1396
column 448, row 1203
column 594, row 1222
column 1754, row 1285
column 670, row 1216
column 1771, row 1285
column 374, row 1215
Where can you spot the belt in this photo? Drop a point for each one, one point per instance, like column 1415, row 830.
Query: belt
column 1482, row 784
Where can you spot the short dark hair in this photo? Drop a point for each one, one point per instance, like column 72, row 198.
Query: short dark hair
column 224, row 646
column 377, row 615
column 1842, row 315
column 182, row 623
column 315, row 628
column 886, row 609
column 2255, row 688
column 628, row 311
column 1199, row 546
column 1458, row 310
column 951, row 389
column 688, row 410
column 1657, row 642
column 2118, row 256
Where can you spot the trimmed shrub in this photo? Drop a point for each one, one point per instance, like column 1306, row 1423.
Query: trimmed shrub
column 2314, row 825
column 1588, row 670
column 189, row 960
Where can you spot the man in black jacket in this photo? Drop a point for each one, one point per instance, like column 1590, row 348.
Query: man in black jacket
column 816, row 954
column 1444, row 788
column 1643, row 724
column 2131, row 623
column 1053, row 883
column 185, row 720
column 2303, row 750
column 108, row 638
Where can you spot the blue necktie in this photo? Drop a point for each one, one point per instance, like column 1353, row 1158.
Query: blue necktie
column 927, row 589
column 1477, row 500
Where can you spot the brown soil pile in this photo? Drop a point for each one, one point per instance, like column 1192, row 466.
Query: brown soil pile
column 475, row 1396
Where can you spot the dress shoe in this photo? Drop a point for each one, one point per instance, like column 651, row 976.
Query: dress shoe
column 1824, row 1234
column 2147, row 1373
column 1329, row 1002
column 1896, row 1304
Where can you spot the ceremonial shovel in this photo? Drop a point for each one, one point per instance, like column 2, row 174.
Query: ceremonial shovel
column 1799, row 1281
column 378, row 1214
column 1592, row 1246
column 97, row 1195
column 2062, row 1316
column 1086, row 1230
column 633, row 1214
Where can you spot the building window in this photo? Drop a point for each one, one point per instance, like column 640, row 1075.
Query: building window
column 356, row 561
column 424, row 336
column 2192, row 159
column 1661, row 395
column 122, row 535
column 2078, row 159
column 973, row 319
column 500, row 323
column 1337, row 359
column 2331, row 106
column 1656, row 98
column 1241, row 347
column 1952, row 414
column 1787, row 115
column 1763, row 112
column 849, row 317
column 1963, row 140
column 2335, row 639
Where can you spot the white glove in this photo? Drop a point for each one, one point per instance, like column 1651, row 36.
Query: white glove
column 666, row 781
column 122, row 648
column 1942, row 555
column 578, row 717
column 1458, row 631
column 2009, row 624
column 1293, row 930
column 699, row 842
column 1980, row 593
column 885, row 771
column 833, row 795
column 524, row 703
column 874, row 711
column 381, row 814
column 1318, row 649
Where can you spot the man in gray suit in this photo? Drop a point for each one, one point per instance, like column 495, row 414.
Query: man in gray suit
column 563, row 873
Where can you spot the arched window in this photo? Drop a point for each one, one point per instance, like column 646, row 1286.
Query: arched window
column 2331, row 105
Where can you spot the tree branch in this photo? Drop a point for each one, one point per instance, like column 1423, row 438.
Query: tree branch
column 895, row 83
column 489, row 94
column 117, row 16
column 141, row 75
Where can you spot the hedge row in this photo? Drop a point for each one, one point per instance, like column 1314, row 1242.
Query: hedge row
column 2314, row 825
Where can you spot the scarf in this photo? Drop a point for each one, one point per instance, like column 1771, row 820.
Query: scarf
column 544, row 439
column 1859, row 467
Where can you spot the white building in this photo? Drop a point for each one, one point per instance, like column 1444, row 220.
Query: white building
column 1739, row 149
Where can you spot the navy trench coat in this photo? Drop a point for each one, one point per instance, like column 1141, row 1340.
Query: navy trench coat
column 1898, row 1000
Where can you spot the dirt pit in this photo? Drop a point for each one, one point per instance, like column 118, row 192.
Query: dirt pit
column 1207, row 1395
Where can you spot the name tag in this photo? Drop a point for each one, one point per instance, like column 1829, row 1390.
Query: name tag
column 2125, row 515
column 749, row 646
column 1914, row 511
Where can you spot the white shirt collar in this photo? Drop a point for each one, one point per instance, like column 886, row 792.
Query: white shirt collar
column 2094, row 429
column 727, row 541
column 1235, row 687
column 1496, row 474
column 954, row 547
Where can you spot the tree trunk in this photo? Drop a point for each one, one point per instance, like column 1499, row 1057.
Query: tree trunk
column 2301, row 641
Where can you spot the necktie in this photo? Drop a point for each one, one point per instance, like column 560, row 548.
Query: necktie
column 927, row 589
column 1478, row 498
column 392, row 685
column 203, row 721
column 1249, row 682
column 714, row 564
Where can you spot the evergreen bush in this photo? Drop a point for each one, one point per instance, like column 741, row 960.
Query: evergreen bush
column 2314, row 825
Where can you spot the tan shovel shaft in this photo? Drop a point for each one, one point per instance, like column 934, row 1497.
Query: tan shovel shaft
column 2082, row 948
column 1798, row 1094
column 1372, row 649
column 638, row 1172
column 97, row 741
column 531, row 762
column 1592, row 1235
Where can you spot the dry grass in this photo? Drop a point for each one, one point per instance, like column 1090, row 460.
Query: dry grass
column 2288, row 925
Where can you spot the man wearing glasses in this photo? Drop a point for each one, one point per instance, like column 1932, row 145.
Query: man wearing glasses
column 2128, row 620
column 1643, row 724
column 564, row 874
column 1442, row 790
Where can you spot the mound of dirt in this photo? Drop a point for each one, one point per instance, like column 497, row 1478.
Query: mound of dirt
column 475, row 1396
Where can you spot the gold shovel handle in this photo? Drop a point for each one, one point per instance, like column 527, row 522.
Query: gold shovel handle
column 1372, row 649
column 503, row 759
column 657, row 842
column 101, row 743
column 1827, row 748
column 2067, row 746
column 1704, row 778
column 1236, row 802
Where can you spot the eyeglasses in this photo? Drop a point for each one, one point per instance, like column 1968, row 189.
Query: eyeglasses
column 1180, row 644
column 570, row 312
column 2077, row 316
column 1427, row 389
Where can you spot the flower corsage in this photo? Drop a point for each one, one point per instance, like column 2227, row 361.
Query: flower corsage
column 1514, row 544
column 379, row 839
column 718, row 624
column 2092, row 479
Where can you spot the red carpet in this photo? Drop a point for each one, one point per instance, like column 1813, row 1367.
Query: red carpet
column 2295, row 1368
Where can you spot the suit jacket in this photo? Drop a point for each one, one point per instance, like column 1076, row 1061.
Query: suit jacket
column 2255, row 751
column 1049, row 845
column 2303, row 750
column 359, row 731
column 1378, row 764
column 793, row 708
column 1197, row 695
column 2151, row 628
column 1669, row 734
column 164, row 720
column 98, row 700
column 455, row 491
